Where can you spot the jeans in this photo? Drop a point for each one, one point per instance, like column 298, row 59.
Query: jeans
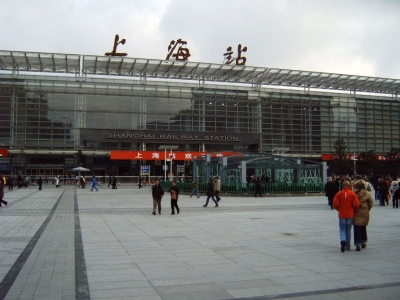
column 360, row 235
column 345, row 230
column 213, row 199
column 381, row 198
column 195, row 190
column 94, row 187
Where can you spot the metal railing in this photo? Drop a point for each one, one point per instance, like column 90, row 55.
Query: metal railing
column 249, row 188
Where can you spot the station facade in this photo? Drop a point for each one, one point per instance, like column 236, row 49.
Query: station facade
column 63, row 110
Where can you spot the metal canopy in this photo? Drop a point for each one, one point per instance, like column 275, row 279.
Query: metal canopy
column 39, row 62
column 170, row 69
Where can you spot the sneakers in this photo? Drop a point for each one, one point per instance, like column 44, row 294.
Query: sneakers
column 358, row 248
column 343, row 246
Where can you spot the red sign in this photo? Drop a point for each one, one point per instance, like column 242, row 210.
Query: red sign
column 326, row 157
column 3, row 152
column 160, row 155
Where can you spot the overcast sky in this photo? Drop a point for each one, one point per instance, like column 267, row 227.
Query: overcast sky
column 360, row 37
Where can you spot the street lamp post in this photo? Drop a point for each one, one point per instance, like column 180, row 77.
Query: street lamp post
column 165, row 147
column 354, row 159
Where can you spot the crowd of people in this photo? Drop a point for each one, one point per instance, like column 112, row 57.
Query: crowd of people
column 353, row 199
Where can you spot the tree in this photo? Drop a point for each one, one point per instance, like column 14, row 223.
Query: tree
column 340, row 148
column 392, row 164
column 368, row 163
column 340, row 164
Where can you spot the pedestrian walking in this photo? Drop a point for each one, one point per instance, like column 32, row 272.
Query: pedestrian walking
column 46, row 179
column 210, row 193
column 20, row 183
column 331, row 190
column 361, row 217
column 94, row 184
column 346, row 203
column 82, row 181
column 114, row 183
column 395, row 199
column 140, row 182
column 57, row 181
column 40, row 182
column 393, row 188
column 2, row 192
column 195, row 188
column 10, row 183
column 217, row 188
column 157, row 192
column 109, row 181
column 258, row 188
column 383, row 190
column 174, row 190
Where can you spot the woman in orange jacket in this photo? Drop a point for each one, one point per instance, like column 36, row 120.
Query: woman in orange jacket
column 346, row 203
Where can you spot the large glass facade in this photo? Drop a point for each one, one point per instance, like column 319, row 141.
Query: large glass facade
column 43, row 113
column 51, row 112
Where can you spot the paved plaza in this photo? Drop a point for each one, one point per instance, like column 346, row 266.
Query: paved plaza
column 68, row 243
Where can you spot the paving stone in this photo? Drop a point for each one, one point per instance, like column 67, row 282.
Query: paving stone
column 286, row 247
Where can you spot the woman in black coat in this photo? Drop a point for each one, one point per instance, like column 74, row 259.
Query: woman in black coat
column 174, row 190
column 210, row 193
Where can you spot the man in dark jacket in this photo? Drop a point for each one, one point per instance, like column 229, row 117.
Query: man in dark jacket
column 383, row 190
column 258, row 188
column 157, row 192
column 330, row 191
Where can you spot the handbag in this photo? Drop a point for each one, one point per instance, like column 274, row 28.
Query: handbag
column 173, row 195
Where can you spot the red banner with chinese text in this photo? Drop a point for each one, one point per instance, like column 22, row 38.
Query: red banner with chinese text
column 326, row 157
column 160, row 155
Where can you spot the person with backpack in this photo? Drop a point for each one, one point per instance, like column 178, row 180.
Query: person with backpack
column 174, row 190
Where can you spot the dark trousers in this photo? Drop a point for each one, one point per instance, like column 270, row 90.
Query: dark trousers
column 395, row 203
column 330, row 201
column 257, row 192
column 40, row 187
column 156, row 202
column 174, row 204
column 216, row 194
column 4, row 202
column 381, row 198
column 360, row 235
